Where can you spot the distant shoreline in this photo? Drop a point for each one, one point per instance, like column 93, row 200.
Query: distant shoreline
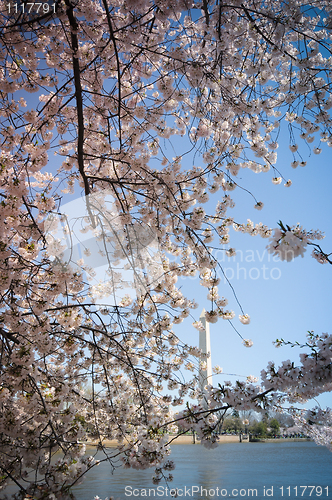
column 186, row 439
column 279, row 440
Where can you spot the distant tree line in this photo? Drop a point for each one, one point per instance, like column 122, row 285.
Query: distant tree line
column 268, row 426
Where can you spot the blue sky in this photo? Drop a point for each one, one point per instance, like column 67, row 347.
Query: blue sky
column 283, row 299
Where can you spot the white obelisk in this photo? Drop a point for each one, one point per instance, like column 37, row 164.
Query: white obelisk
column 205, row 376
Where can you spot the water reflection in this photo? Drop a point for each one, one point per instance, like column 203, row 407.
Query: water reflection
column 232, row 470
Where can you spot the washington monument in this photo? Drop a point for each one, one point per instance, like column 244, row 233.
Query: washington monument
column 205, row 376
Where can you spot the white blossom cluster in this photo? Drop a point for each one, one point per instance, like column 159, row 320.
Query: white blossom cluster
column 317, row 424
column 253, row 229
column 309, row 379
column 292, row 242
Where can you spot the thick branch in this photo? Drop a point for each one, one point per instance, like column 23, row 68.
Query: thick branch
column 78, row 94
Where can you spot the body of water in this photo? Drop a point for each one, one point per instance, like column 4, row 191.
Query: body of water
column 287, row 470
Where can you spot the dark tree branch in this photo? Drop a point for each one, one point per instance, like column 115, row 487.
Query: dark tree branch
column 78, row 95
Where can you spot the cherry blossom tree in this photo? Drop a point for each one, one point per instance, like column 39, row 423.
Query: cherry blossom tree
column 111, row 88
